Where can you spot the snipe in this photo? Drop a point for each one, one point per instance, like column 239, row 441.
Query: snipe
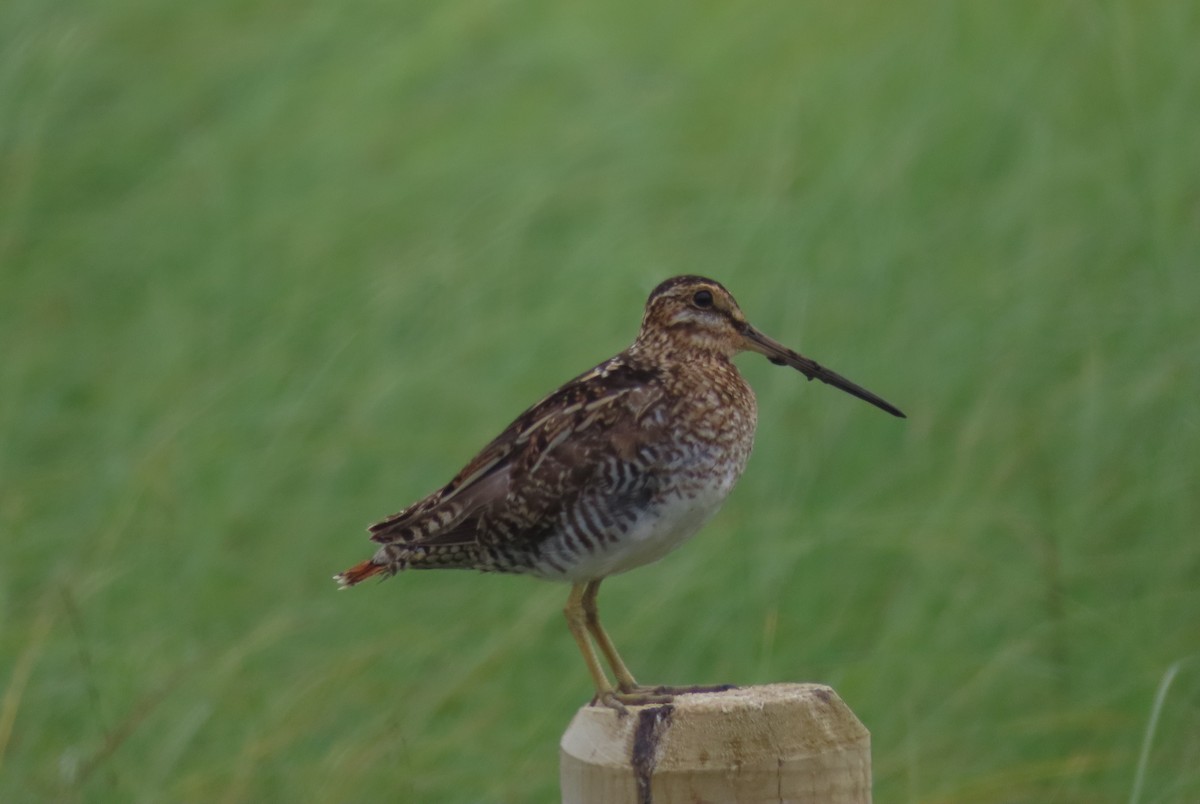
column 612, row 471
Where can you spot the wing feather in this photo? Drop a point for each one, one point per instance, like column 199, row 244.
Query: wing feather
column 536, row 452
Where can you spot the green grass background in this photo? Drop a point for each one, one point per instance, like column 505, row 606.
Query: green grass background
column 270, row 271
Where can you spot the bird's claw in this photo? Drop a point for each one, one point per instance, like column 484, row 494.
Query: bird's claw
column 669, row 691
column 619, row 700
column 644, row 695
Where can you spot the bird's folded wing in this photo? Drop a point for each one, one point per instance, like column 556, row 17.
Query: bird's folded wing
column 536, row 458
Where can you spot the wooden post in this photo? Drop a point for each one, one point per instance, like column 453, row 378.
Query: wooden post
column 777, row 743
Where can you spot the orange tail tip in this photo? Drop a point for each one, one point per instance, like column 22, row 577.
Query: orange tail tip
column 358, row 573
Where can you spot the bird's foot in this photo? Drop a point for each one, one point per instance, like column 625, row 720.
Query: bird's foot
column 619, row 700
column 668, row 691
column 646, row 695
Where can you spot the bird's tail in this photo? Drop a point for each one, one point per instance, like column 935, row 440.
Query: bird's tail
column 359, row 573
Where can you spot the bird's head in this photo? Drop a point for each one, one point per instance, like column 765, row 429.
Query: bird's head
column 692, row 314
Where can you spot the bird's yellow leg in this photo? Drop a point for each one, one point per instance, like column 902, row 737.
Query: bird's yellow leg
column 630, row 691
column 625, row 680
column 577, row 622
column 580, row 623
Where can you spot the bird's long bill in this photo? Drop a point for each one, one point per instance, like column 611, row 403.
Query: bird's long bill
column 780, row 355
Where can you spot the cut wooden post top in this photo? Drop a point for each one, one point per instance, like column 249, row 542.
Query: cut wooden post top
column 777, row 743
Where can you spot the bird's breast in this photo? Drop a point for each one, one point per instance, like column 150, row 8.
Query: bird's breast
column 707, row 436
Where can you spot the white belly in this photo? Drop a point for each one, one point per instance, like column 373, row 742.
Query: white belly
column 656, row 532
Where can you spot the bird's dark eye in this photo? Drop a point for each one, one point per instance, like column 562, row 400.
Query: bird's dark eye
column 703, row 299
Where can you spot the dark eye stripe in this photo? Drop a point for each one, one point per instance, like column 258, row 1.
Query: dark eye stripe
column 702, row 299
